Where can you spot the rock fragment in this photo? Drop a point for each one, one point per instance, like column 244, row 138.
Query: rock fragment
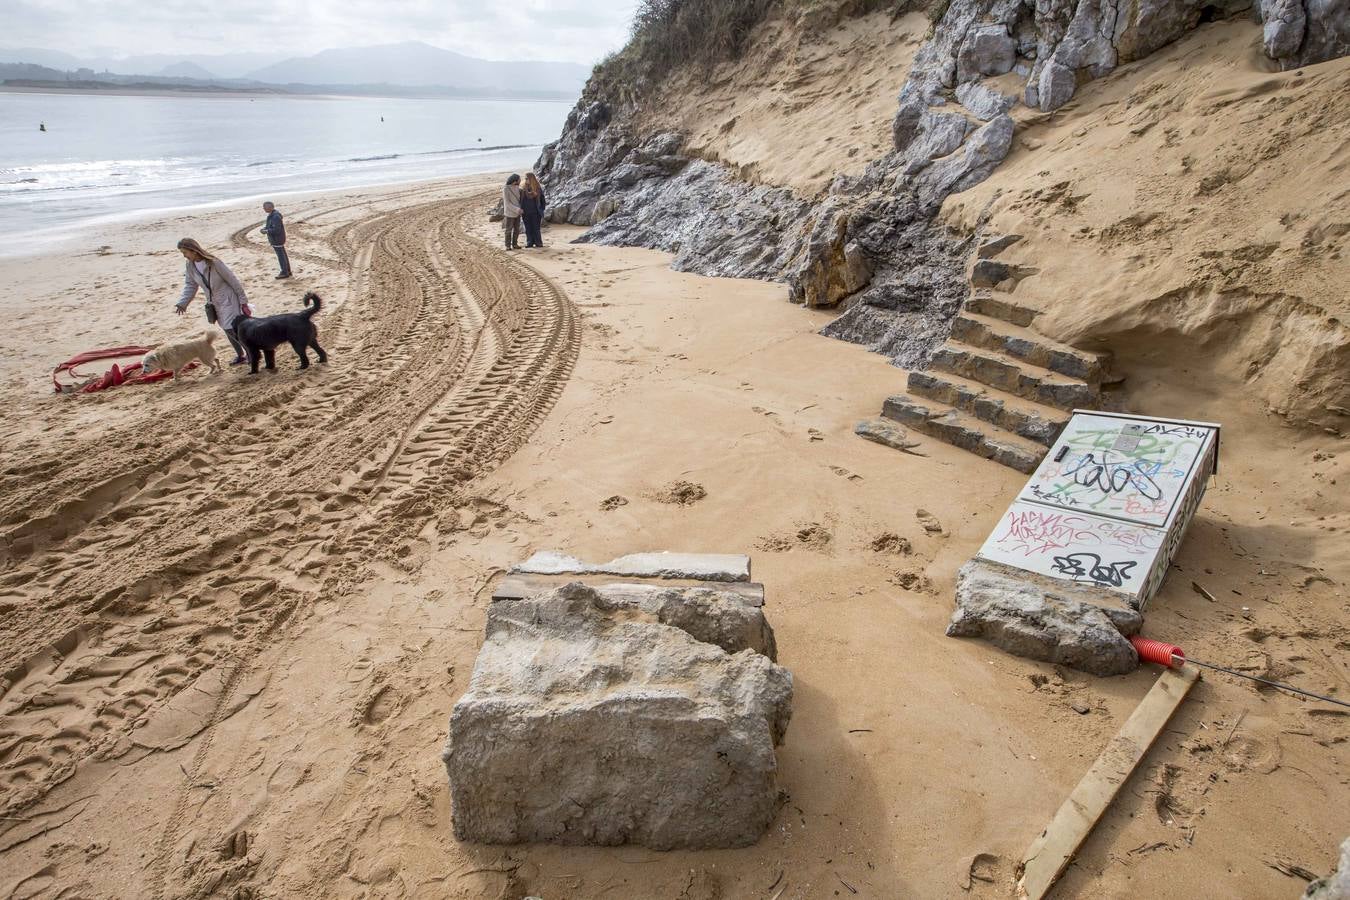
column 881, row 431
column 987, row 50
column 1040, row 618
column 994, row 246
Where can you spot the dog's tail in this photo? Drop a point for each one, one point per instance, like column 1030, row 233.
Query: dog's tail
column 315, row 299
column 209, row 336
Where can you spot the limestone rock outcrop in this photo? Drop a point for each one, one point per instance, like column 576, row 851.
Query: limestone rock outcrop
column 869, row 245
column 609, row 716
column 1304, row 32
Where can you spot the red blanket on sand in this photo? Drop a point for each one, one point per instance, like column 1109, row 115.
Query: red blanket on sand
column 114, row 377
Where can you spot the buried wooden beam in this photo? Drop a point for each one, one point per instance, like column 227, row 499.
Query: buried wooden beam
column 1049, row 855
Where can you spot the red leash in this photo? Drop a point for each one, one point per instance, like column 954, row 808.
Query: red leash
column 113, row 377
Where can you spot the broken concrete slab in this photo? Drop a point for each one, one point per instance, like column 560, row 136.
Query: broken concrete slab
column 591, row 721
column 1080, row 626
column 717, row 614
column 697, row 566
column 517, row 587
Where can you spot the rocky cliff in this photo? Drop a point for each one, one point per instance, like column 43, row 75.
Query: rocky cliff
column 696, row 162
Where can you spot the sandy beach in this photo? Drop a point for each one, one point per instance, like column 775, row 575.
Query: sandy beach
column 237, row 611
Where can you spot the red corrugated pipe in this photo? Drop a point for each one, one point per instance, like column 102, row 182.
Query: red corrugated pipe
column 1149, row 650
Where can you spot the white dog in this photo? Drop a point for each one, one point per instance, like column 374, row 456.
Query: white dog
column 173, row 357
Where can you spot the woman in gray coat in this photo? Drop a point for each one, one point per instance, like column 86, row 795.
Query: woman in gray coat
column 225, row 298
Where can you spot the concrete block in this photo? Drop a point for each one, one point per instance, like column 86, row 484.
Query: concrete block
column 590, row 720
column 699, row 566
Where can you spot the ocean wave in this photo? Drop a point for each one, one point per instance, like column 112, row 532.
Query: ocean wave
column 96, row 166
column 10, row 176
column 474, row 149
column 451, row 152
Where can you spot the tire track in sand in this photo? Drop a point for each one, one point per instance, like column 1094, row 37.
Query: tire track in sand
column 445, row 358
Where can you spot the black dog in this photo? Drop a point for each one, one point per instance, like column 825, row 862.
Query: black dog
column 261, row 336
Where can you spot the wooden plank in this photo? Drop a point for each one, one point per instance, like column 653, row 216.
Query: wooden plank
column 516, row 587
column 1051, row 852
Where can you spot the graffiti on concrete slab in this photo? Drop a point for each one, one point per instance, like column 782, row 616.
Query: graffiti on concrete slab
column 1109, row 504
column 1028, row 530
column 1134, row 470
column 1082, row 547
column 1083, row 566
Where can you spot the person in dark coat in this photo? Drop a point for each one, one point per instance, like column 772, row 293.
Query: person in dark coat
column 275, row 230
column 532, row 202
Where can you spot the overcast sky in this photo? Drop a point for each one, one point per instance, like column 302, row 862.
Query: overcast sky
column 574, row 30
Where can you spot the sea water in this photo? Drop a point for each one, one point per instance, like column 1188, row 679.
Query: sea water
column 108, row 158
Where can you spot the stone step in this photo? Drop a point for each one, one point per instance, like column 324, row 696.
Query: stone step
column 1024, row 344
column 960, row 430
column 986, row 304
column 998, row 370
column 1033, row 421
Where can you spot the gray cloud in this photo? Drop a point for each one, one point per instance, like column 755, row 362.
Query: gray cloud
column 573, row 30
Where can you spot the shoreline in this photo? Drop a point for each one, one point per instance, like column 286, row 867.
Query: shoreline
column 56, row 237
column 255, row 94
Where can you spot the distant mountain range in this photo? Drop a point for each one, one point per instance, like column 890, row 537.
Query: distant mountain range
column 412, row 67
column 415, row 64
column 218, row 65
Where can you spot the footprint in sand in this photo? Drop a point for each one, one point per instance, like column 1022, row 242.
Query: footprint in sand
column 810, row 536
column 890, row 542
column 680, row 493
column 911, row 581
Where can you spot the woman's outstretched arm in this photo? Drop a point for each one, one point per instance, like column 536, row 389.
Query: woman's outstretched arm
column 189, row 288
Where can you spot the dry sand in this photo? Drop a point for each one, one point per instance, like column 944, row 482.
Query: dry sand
column 237, row 611
column 1191, row 212
column 798, row 110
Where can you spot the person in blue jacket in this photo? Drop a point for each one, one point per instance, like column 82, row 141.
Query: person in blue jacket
column 532, row 202
column 275, row 230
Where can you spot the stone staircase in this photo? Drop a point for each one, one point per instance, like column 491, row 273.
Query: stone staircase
column 998, row 388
